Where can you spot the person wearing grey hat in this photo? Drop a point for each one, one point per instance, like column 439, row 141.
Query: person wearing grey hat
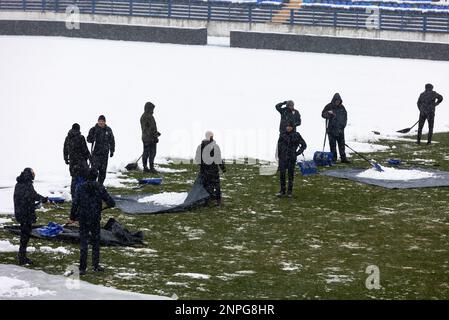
column 427, row 102
column 288, row 115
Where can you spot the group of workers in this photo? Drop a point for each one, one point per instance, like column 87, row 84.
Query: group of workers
column 88, row 168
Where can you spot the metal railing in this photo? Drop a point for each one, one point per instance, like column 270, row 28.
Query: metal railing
column 351, row 17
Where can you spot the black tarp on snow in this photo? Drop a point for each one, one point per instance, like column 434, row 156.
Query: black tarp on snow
column 440, row 179
column 130, row 204
column 112, row 234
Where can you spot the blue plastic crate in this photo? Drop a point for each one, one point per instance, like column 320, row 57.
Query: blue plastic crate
column 323, row 158
column 56, row 200
column 307, row 168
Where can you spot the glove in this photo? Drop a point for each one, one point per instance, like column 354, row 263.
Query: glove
column 158, row 134
column 285, row 102
column 112, row 154
column 67, row 162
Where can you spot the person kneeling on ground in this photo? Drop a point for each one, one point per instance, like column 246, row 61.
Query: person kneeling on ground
column 290, row 145
column 26, row 199
column 86, row 208
column 208, row 156
column 337, row 117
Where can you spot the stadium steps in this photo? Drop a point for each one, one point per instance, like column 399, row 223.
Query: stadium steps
column 283, row 15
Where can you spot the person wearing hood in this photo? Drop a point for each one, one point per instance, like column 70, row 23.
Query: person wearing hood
column 103, row 146
column 336, row 119
column 150, row 137
column 26, row 199
column 288, row 115
column 86, row 208
column 290, row 145
column 208, row 157
column 427, row 102
column 76, row 155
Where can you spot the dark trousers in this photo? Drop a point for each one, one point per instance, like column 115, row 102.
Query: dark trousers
column 212, row 185
column 93, row 229
column 430, row 121
column 284, row 167
column 149, row 153
column 100, row 163
column 25, row 233
column 339, row 139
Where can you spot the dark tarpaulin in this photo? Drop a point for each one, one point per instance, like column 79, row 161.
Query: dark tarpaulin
column 130, row 204
column 112, row 234
column 440, row 179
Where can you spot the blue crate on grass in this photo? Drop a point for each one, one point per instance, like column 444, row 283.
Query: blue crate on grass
column 56, row 200
column 323, row 158
column 307, row 168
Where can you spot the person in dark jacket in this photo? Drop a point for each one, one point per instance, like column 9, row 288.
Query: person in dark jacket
column 150, row 137
column 290, row 145
column 337, row 118
column 76, row 154
column 103, row 146
column 288, row 115
column 86, row 208
column 208, row 156
column 26, row 199
column 427, row 102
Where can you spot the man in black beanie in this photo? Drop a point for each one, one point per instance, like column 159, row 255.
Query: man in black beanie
column 427, row 102
column 103, row 146
column 150, row 137
column 76, row 154
column 26, row 199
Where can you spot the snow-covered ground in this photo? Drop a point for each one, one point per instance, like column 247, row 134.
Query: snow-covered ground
column 166, row 198
column 47, row 84
column 395, row 174
column 22, row 283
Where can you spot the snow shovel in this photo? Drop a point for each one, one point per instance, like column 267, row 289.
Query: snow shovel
column 322, row 158
column 307, row 167
column 407, row 130
column 133, row 165
column 375, row 165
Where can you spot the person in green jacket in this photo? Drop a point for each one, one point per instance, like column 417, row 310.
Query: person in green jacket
column 150, row 137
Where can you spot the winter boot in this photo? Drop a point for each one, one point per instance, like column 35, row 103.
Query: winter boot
column 146, row 170
column 25, row 261
column 280, row 194
column 98, row 269
column 152, row 170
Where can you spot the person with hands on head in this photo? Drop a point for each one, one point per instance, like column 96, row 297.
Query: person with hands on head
column 288, row 115
column 427, row 102
column 337, row 118
column 26, row 201
column 103, row 144
column 290, row 145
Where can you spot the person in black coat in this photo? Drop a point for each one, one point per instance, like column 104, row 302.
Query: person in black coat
column 26, row 199
column 208, row 156
column 288, row 115
column 86, row 208
column 337, row 118
column 103, row 145
column 290, row 145
column 427, row 102
column 76, row 154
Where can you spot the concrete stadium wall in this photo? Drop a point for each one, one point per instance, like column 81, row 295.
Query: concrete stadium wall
column 190, row 36
column 340, row 45
column 223, row 28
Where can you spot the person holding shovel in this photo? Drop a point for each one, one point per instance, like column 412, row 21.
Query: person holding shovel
column 427, row 102
column 337, row 118
column 25, row 203
column 290, row 145
column 103, row 146
column 150, row 138
column 86, row 208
